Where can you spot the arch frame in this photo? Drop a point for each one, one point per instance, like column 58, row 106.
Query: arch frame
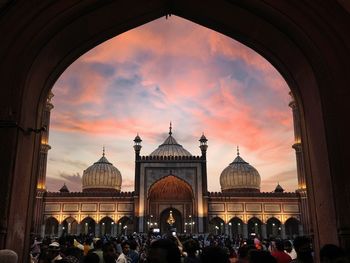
column 307, row 42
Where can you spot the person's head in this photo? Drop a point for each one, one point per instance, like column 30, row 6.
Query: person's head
column 302, row 246
column 133, row 244
column 8, row 256
column 98, row 244
column 214, row 254
column 163, row 251
column 125, row 247
column 191, row 246
column 91, row 258
column 279, row 245
column 288, row 246
column 330, row 253
column 259, row 256
column 244, row 250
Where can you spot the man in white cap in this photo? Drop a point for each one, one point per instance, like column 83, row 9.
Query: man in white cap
column 54, row 252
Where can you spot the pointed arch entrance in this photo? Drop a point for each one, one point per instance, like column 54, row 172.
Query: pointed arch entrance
column 170, row 193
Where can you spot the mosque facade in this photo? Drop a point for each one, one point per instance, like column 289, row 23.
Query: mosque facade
column 170, row 192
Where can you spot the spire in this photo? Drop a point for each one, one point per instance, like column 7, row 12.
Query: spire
column 170, row 133
column 237, row 150
column 103, row 151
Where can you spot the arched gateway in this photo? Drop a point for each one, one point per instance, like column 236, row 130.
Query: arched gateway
column 170, row 179
column 166, row 194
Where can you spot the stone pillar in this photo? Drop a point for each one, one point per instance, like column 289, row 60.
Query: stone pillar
column 60, row 230
column 300, row 160
column 300, row 230
column 97, row 230
column 283, row 231
column 42, row 231
column 245, row 230
column 226, row 229
column 78, row 229
column 41, row 181
column 263, row 231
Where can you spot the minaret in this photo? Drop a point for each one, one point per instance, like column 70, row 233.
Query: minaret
column 41, row 181
column 137, row 148
column 203, row 146
column 302, row 187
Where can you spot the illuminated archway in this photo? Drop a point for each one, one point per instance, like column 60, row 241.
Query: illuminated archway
column 70, row 226
column 170, row 188
column 236, row 227
column 273, row 228
column 217, row 226
column 88, row 226
column 254, row 227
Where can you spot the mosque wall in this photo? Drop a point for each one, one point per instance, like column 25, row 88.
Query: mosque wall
column 279, row 208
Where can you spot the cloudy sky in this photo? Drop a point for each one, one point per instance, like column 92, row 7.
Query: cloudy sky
column 171, row 70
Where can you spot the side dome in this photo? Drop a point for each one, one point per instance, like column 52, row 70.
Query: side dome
column 240, row 176
column 170, row 147
column 102, row 176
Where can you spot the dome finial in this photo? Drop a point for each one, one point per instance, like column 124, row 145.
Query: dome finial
column 170, row 133
column 237, row 150
column 103, row 151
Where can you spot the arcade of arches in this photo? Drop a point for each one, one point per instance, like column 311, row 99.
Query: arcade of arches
column 310, row 47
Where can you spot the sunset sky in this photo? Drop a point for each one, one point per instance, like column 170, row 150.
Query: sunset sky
column 171, row 70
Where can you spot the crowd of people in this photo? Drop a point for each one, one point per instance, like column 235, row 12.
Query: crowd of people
column 172, row 248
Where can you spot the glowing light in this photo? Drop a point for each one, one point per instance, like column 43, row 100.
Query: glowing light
column 229, row 224
column 40, row 186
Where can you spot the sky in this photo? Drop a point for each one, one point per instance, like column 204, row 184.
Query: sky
column 171, row 70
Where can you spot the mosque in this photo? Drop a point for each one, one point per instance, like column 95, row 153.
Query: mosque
column 170, row 190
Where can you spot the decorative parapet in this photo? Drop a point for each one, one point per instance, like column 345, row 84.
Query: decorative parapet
column 170, row 158
column 252, row 194
column 91, row 194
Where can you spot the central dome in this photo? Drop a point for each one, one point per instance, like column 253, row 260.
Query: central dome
column 170, row 147
column 102, row 176
column 240, row 176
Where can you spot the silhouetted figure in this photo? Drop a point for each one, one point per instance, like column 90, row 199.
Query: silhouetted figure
column 190, row 247
column 214, row 254
column 332, row 254
column 163, row 251
column 91, row 258
column 302, row 246
column 279, row 254
column 259, row 256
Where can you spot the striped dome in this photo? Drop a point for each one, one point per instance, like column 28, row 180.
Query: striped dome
column 102, row 176
column 240, row 176
column 170, row 147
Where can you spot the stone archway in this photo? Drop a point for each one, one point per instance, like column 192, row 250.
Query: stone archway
column 309, row 48
column 174, row 194
column 88, row 226
column 292, row 226
column 273, row 228
column 235, row 227
column 217, row 226
column 254, row 227
column 70, row 226
column 51, row 227
column 106, row 226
